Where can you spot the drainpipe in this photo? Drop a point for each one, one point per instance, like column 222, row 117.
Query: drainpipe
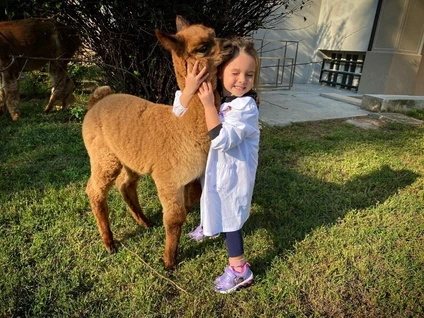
column 374, row 26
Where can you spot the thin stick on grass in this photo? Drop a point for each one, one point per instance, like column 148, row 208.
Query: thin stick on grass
column 152, row 269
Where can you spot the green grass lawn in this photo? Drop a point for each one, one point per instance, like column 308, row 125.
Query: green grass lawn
column 336, row 229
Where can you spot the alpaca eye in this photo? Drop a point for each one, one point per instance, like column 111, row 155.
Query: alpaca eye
column 202, row 49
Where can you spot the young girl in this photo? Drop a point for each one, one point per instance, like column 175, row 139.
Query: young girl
column 233, row 155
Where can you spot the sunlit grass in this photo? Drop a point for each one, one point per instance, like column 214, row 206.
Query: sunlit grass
column 336, row 229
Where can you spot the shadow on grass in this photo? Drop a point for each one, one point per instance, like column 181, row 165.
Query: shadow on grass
column 288, row 205
column 296, row 204
column 40, row 150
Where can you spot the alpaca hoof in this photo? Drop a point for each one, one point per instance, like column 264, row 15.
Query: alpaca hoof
column 148, row 224
column 170, row 267
column 144, row 222
column 111, row 248
column 15, row 117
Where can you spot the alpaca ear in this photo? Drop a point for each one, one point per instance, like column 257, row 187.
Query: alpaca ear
column 170, row 42
column 181, row 23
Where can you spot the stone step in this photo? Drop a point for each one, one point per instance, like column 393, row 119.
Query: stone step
column 391, row 103
column 396, row 118
column 379, row 120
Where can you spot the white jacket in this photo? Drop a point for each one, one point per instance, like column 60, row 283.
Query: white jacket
column 231, row 166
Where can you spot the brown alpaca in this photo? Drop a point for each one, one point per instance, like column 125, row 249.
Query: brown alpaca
column 127, row 136
column 40, row 38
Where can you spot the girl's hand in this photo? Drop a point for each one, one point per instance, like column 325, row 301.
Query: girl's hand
column 206, row 95
column 192, row 82
column 207, row 98
column 193, row 79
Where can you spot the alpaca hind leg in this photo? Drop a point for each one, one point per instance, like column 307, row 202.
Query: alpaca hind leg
column 11, row 94
column 192, row 193
column 102, row 177
column 127, row 184
column 174, row 216
column 63, row 86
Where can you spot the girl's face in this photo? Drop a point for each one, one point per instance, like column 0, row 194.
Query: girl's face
column 238, row 75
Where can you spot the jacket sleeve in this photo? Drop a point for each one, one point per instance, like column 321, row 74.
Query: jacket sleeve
column 177, row 108
column 240, row 123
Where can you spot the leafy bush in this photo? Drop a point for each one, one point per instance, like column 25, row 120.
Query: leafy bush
column 122, row 35
column 80, row 72
column 34, row 85
column 78, row 112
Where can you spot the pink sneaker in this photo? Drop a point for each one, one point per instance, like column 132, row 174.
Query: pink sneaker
column 197, row 235
column 231, row 280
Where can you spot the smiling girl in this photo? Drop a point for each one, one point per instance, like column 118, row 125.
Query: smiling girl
column 233, row 156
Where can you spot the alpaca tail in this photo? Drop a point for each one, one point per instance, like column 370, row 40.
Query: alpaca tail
column 98, row 94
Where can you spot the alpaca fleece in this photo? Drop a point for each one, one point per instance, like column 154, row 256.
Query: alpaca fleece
column 126, row 137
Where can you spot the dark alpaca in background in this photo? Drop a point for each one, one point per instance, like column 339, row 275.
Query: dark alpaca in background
column 38, row 38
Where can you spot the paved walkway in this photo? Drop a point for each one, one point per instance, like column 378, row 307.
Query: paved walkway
column 303, row 102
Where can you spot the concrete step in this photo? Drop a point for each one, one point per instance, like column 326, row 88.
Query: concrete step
column 391, row 103
column 343, row 98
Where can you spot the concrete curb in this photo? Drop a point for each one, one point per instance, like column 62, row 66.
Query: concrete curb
column 391, row 103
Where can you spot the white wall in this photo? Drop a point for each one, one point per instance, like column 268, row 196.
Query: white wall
column 346, row 24
column 331, row 25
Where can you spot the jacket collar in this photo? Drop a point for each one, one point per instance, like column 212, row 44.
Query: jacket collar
column 227, row 99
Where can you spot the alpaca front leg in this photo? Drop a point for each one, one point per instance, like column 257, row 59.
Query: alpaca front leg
column 174, row 216
column 173, row 234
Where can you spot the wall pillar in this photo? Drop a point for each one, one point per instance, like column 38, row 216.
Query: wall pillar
column 419, row 82
column 392, row 67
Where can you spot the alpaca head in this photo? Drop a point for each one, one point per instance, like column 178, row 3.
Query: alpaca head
column 191, row 43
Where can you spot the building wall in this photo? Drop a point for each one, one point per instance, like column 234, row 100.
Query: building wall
column 330, row 25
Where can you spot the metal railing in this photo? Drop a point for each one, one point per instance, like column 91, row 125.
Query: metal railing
column 277, row 62
column 342, row 70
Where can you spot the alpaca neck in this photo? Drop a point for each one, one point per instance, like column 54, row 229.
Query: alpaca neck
column 196, row 112
column 195, row 115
